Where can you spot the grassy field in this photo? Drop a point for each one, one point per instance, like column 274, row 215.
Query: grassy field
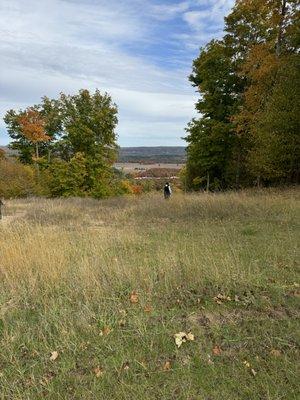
column 93, row 292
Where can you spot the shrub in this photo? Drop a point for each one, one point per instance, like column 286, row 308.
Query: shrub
column 16, row 179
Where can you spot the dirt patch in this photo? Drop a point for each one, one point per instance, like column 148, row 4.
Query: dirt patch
column 234, row 316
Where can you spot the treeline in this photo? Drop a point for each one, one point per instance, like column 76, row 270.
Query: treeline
column 66, row 147
column 248, row 132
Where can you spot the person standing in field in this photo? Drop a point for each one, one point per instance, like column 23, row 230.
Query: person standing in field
column 1, row 204
column 167, row 191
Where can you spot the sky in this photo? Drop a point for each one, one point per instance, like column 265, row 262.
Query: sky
column 139, row 51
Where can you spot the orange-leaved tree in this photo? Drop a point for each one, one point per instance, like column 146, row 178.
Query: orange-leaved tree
column 32, row 125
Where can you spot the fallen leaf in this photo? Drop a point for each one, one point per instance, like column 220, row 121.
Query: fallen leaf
column 253, row 372
column 167, row 366
column 217, row 350
column 247, row 364
column 54, row 355
column 148, row 309
column 221, row 297
column 236, row 298
column 105, row 331
column 275, row 353
column 134, row 298
column 98, row 372
column 182, row 337
column 190, row 336
column 125, row 366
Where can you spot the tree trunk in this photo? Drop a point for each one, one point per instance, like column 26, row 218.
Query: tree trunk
column 36, row 149
column 258, row 181
column 237, row 176
column 36, row 161
column 207, row 182
column 280, row 28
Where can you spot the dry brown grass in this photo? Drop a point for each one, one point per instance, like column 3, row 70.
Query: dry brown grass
column 66, row 263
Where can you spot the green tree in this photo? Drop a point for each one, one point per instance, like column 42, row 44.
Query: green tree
column 80, row 132
column 239, row 81
column 89, row 122
column 270, row 69
column 275, row 128
column 67, row 178
column 211, row 141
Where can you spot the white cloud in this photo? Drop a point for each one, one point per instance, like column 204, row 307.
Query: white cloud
column 48, row 46
column 196, row 19
column 164, row 12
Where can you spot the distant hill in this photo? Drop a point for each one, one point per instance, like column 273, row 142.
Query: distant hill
column 159, row 154
column 9, row 151
column 146, row 155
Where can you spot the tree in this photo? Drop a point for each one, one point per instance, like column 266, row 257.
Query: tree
column 275, row 127
column 32, row 126
column 68, row 178
column 270, row 68
column 241, row 79
column 68, row 132
column 212, row 145
column 89, row 122
column 49, row 117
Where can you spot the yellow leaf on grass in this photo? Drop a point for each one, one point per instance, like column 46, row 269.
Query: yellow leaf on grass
column 247, row 364
column 148, row 309
column 105, row 331
column 54, row 355
column 98, row 372
column 182, row 337
column 190, row 336
column 167, row 366
column 217, row 350
column 134, row 298
column 275, row 353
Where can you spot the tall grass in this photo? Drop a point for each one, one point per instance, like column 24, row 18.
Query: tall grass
column 68, row 266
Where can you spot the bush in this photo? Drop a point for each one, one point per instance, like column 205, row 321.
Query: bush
column 16, row 179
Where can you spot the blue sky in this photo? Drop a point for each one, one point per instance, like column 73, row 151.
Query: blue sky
column 139, row 51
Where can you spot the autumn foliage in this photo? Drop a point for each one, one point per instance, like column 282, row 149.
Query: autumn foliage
column 248, row 132
column 33, row 126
